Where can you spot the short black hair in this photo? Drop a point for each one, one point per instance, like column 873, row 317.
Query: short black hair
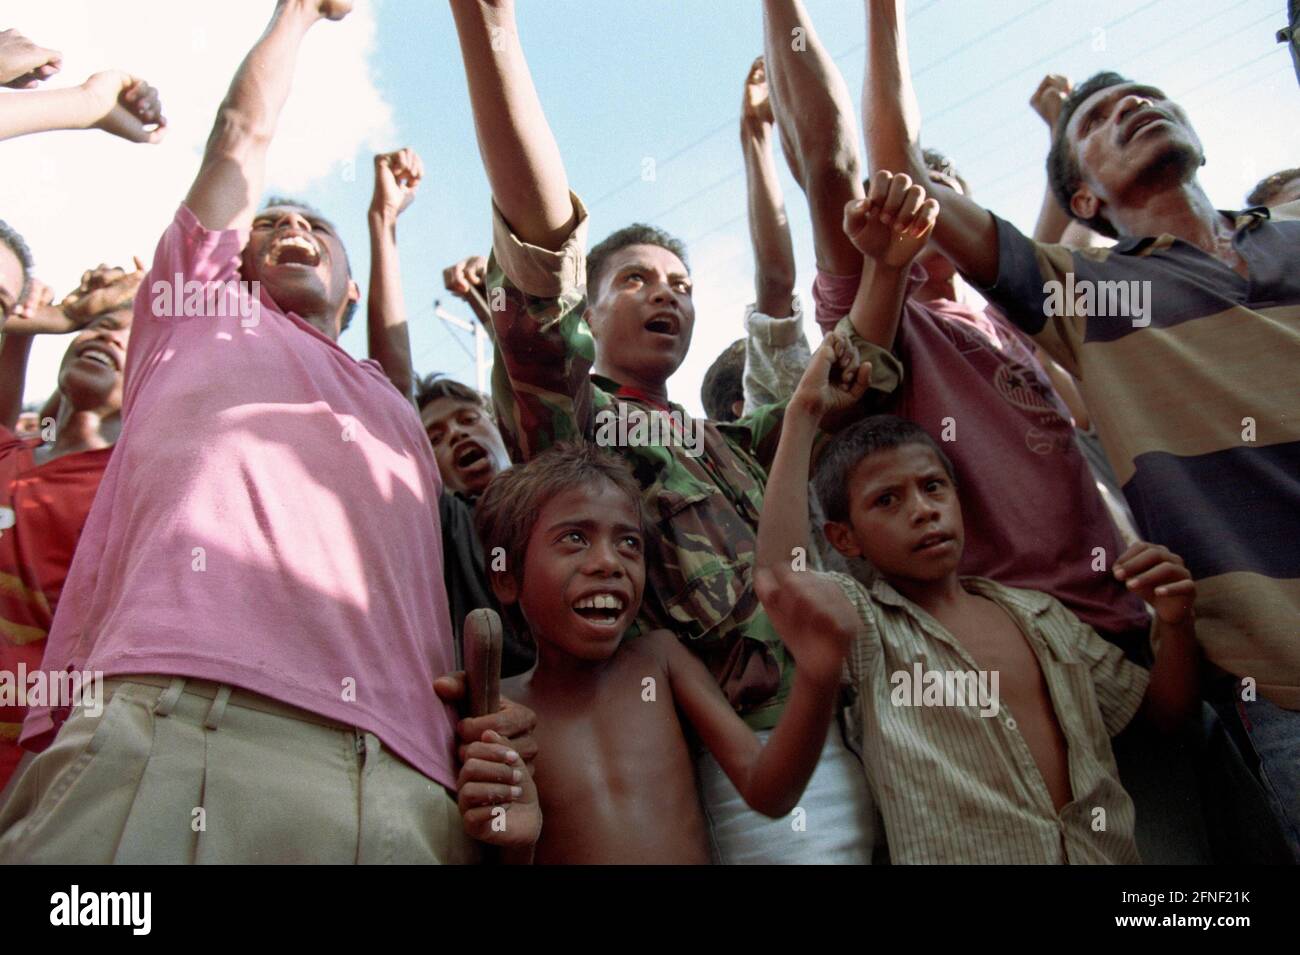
column 508, row 510
column 938, row 162
column 18, row 246
column 437, row 385
column 1268, row 187
column 273, row 201
column 724, row 383
column 856, row 443
column 1063, row 173
column 638, row 233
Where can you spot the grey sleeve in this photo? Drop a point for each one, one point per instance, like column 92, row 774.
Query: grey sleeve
column 776, row 354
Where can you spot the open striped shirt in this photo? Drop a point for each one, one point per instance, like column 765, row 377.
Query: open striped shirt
column 957, row 787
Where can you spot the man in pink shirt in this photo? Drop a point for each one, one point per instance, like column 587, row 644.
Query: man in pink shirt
column 253, row 578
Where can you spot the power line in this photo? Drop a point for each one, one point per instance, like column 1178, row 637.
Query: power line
column 1029, row 66
column 1025, row 121
column 727, row 124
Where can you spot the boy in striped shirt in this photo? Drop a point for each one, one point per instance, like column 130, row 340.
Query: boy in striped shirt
column 1031, row 777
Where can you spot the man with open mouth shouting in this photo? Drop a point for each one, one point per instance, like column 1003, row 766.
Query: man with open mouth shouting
column 253, row 579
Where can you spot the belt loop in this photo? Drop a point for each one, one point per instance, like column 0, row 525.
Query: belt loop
column 218, row 708
column 168, row 698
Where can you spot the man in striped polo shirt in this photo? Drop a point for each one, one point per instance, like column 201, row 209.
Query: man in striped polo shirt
column 1183, row 337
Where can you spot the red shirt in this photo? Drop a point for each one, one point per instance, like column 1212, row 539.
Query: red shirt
column 42, row 510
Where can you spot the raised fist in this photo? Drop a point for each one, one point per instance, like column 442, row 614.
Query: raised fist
column 125, row 106
column 1050, row 96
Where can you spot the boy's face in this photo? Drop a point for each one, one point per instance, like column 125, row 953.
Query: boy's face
column 643, row 316
column 904, row 516
column 586, row 549
column 466, row 444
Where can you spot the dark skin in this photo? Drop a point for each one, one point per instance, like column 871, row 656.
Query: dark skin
column 903, row 502
column 614, row 769
column 299, row 258
column 641, row 317
column 905, row 518
column 466, row 444
column 1138, row 156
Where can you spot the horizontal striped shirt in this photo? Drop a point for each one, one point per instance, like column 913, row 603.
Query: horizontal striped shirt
column 956, row 786
column 1189, row 372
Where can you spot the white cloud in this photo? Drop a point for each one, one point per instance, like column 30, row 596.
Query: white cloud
column 80, row 198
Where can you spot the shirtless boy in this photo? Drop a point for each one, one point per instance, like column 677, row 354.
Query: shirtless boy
column 614, row 768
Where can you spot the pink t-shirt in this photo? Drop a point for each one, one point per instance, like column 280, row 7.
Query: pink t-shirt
column 268, row 519
column 1029, row 502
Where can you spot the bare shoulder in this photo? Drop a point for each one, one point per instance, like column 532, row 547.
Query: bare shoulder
column 661, row 645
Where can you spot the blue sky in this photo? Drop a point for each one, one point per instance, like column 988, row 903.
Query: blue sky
column 626, row 80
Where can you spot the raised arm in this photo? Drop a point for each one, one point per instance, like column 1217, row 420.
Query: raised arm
column 523, row 163
column 397, row 178
column 831, row 386
column 889, row 228
column 229, row 183
column 769, row 228
column 814, row 111
column 467, row 280
column 816, row 622
column 113, row 101
column 891, row 120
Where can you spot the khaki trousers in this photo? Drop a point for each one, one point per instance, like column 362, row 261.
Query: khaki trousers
column 183, row 771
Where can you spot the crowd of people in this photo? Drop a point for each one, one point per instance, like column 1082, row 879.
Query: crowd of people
column 1006, row 569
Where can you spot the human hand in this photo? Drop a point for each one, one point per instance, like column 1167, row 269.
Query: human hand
column 756, row 107
column 397, row 179
column 513, row 722
column 23, row 64
column 102, row 289
column 466, row 276
column 497, row 796
column 36, row 315
column 1160, row 578
column 125, row 106
column 814, row 618
column 334, row 9
column 1050, row 96
column 835, row 379
column 893, row 223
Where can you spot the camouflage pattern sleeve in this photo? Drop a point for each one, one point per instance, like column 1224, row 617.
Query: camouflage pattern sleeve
column 542, row 349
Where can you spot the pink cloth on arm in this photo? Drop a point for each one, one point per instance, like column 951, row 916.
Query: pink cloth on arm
column 833, row 298
column 1031, row 509
column 1029, row 502
column 268, row 520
